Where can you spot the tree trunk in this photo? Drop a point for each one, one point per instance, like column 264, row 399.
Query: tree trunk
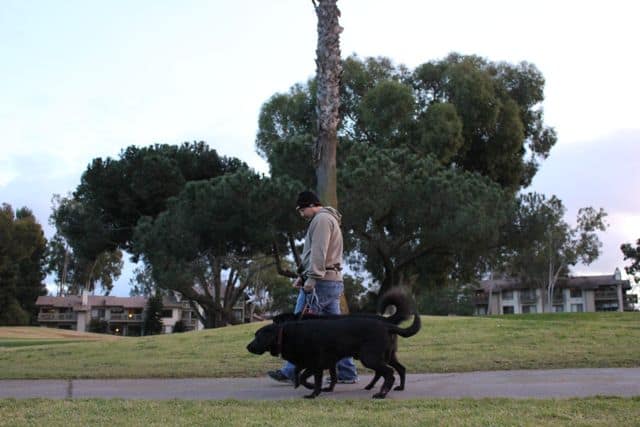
column 328, row 71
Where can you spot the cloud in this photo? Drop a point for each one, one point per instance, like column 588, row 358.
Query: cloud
column 601, row 173
column 41, row 177
column 7, row 172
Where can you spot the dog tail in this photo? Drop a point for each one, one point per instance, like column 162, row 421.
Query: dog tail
column 396, row 297
column 409, row 331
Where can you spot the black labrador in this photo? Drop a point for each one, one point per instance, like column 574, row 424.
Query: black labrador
column 396, row 298
column 317, row 345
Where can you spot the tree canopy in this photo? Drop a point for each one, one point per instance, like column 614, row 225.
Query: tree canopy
column 114, row 194
column 187, row 212
column 22, row 257
column 83, row 266
column 474, row 114
column 211, row 228
column 632, row 254
column 429, row 160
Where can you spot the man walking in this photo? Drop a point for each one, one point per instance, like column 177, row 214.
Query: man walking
column 322, row 272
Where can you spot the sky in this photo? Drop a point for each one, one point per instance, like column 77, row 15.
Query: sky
column 81, row 79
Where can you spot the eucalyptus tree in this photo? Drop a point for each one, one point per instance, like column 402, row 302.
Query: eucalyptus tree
column 429, row 160
column 544, row 247
column 77, row 255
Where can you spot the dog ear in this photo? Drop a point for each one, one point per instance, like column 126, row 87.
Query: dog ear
column 274, row 347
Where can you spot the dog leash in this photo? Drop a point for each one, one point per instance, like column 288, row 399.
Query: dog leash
column 310, row 299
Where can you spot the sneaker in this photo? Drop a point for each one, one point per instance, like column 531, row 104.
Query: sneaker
column 279, row 376
column 327, row 380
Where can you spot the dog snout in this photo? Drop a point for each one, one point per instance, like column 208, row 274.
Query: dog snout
column 253, row 348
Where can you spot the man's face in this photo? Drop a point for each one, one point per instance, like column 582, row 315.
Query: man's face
column 307, row 213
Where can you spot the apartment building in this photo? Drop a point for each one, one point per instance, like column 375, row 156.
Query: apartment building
column 572, row 294
column 122, row 315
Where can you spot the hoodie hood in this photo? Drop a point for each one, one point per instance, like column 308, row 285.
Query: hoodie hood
column 333, row 212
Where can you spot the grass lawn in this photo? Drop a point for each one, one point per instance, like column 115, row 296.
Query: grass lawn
column 445, row 344
column 466, row 412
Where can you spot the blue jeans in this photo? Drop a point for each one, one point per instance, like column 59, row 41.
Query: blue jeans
column 324, row 300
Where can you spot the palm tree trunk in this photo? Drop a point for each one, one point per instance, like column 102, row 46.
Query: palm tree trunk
column 328, row 71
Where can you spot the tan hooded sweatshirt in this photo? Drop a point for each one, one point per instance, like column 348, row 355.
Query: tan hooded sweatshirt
column 322, row 252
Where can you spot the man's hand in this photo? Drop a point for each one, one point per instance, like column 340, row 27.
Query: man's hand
column 309, row 284
column 298, row 283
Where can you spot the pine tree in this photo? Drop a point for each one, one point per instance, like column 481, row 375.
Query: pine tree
column 152, row 319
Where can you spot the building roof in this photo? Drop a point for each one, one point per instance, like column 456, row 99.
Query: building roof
column 582, row 282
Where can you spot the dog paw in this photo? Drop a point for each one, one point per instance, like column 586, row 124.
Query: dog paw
column 379, row 395
column 369, row 387
column 310, row 396
column 398, row 388
column 329, row 389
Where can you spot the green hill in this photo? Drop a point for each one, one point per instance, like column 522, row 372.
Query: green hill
column 445, row 344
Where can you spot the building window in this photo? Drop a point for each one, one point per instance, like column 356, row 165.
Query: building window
column 576, row 308
column 607, row 306
column 97, row 313
column 529, row 309
column 558, row 295
column 481, row 310
column 558, row 308
column 167, row 313
column 508, row 295
column 507, row 309
column 576, row 293
column 528, row 295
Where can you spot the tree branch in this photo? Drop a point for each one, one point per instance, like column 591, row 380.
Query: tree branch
column 286, row 273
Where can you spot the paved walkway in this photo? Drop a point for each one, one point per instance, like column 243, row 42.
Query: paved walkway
column 560, row 383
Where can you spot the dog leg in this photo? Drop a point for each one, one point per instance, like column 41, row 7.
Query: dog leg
column 377, row 362
column 296, row 377
column 334, row 378
column 373, row 382
column 387, row 373
column 401, row 371
column 317, row 376
column 303, row 379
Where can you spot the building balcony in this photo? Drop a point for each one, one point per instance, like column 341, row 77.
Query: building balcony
column 606, row 295
column 481, row 299
column 528, row 299
column 56, row 317
column 126, row 317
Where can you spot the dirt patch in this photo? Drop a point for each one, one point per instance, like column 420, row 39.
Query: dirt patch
column 31, row 332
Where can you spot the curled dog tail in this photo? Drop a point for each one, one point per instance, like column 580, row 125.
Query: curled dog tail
column 398, row 298
column 409, row 331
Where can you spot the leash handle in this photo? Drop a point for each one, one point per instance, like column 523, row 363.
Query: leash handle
column 308, row 304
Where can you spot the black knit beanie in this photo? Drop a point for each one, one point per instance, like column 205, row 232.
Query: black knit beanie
column 306, row 199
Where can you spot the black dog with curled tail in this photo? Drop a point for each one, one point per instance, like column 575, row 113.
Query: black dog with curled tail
column 315, row 344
